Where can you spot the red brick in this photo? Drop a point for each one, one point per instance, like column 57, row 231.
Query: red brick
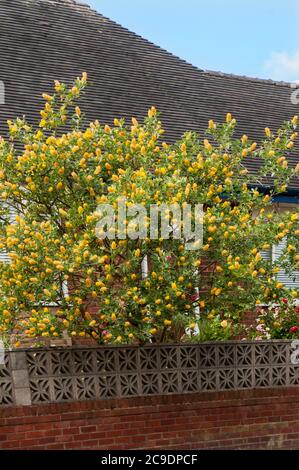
column 249, row 419
column 84, row 429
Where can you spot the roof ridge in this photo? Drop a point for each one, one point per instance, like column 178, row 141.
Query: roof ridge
column 83, row 5
column 80, row 3
column 250, row 79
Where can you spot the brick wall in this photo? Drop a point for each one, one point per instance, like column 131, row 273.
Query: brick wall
column 249, row 419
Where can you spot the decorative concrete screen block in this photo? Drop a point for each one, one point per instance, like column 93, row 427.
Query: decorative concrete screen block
column 72, row 374
column 6, row 385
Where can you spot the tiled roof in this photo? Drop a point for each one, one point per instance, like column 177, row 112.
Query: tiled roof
column 43, row 40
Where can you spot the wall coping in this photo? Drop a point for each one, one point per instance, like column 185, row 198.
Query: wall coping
column 145, row 345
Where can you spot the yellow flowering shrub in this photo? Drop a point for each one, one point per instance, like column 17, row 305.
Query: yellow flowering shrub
column 65, row 278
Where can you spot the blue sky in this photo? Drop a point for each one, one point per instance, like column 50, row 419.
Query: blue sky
column 257, row 38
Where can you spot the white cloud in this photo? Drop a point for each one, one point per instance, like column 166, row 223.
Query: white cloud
column 283, row 66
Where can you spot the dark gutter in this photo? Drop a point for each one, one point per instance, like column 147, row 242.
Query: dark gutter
column 290, row 196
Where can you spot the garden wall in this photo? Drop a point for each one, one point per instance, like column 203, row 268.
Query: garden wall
column 213, row 395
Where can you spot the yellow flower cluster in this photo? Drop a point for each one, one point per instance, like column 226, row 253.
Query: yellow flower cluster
column 63, row 276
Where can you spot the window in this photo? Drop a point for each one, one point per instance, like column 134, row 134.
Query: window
column 290, row 281
column 4, row 257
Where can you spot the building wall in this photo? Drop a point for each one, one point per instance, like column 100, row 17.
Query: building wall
column 249, row 419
